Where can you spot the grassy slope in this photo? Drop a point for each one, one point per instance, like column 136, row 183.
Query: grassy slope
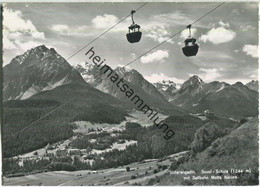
column 238, row 150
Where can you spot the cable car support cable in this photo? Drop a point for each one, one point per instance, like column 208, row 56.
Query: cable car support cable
column 92, row 41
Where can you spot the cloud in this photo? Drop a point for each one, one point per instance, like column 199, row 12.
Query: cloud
column 105, row 21
column 27, row 45
column 221, row 23
column 128, row 68
column 174, row 18
column 251, row 50
column 185, row 33
column 80, row 30
column 159, row 34
column 98, row 23
column 60, row 28
column 210, row 74
column 255, row 77
column 247, row 28
column 180, row 44
column 7, row 43
column 13, row 22
column 160, row 77
column 218, row 35
column 158, row 55
column 17, row 31
column 133, row 55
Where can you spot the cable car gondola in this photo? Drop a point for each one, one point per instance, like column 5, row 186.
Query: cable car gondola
column 191, row 47
column 133, row 35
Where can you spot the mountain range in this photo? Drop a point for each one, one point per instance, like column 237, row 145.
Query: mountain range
column 41, row 73
column 222, row 99
column 194, row 95
column 144, row 89
column 133, row 78
column 169, row 89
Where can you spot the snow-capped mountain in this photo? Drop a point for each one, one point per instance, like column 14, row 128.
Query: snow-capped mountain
column 37, row 70
column 167, row 88
column 89, row 72
column 222, row 99
column 253, row 85
column 133, row 78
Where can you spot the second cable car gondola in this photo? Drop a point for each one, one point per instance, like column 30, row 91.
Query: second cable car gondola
column 133, row 35
column 190, row 48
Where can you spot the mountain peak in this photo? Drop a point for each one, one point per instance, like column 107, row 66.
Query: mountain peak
column 36, row 70
column 38, row 49
column 253, row 85
column 195, row 79
column 193, row 84
column 41, row 47
column 239, row 84
column 252, row 82
column 122, row 70
column 84, row 67
column 166, row 82
column 41, row 55
column 168, row 88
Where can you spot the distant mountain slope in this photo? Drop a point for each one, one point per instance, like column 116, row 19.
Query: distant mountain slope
column 37, row 70
column 222, row 99
column 77, row 94
column 253, row 85
column 93, row 76
column 137, row 80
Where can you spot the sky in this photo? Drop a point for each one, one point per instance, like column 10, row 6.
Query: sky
column 228, row 37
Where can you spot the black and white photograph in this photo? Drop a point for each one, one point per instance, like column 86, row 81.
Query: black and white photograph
column 129, row 93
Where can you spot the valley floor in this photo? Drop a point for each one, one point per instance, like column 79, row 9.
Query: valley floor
column 144, row 172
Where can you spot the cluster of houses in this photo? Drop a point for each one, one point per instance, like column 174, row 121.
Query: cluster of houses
column 68, row 152
column 60, row 152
